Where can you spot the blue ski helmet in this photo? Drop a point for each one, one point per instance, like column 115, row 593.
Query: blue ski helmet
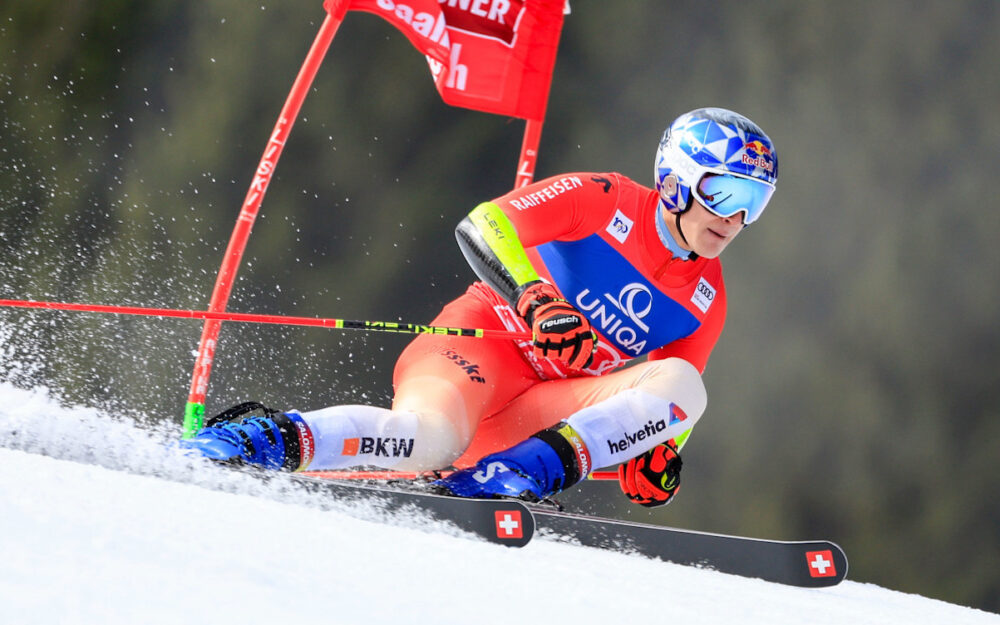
column 719, row 156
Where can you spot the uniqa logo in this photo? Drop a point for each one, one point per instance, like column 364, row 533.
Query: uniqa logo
column 633, row 303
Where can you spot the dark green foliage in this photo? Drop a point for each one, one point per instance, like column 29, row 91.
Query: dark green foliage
column 854, row 394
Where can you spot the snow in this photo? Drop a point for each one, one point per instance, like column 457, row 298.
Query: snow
column 105, row 521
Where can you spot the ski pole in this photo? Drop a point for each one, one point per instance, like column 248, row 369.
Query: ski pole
column 395, row 327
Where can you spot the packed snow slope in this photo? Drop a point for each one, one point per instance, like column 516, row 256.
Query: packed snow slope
column 105, row 522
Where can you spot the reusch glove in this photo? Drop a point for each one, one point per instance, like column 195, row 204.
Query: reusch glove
column 651, row 479
column 558, row 330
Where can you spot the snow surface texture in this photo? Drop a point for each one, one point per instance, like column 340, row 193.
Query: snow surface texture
column 105, row 522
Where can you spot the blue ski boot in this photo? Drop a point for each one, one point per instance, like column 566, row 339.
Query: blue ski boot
column 253, row 434
column 547, row 463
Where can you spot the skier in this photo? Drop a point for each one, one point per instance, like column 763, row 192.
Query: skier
column 601, row 271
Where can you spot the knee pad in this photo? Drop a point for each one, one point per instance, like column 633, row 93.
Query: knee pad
column 665, row 402
column 437, row 443
column 675, row 380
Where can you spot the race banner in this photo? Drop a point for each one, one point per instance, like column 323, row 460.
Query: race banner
column 494, row 56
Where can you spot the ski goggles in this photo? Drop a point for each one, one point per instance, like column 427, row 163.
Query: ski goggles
column 727, row 194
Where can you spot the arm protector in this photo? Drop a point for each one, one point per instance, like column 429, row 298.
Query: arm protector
column 490, row 245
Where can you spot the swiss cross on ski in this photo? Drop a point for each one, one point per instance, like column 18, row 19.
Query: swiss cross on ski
column 821, row 564
column 509, row 524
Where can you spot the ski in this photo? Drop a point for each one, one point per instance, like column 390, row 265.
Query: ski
column 809, row 564
column 502, row 521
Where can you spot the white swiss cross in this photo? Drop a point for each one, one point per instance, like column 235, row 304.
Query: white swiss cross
column 821, row 563
column 509, row 524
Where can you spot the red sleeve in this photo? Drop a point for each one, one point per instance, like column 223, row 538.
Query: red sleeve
column 567, row 207
column 697, row 347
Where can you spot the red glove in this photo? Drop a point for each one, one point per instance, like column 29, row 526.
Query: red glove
column 652, row 478
column 558, row 329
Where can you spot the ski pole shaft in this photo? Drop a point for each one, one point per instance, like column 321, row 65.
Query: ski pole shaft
column 395, row 327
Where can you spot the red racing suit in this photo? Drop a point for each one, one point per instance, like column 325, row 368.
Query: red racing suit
column 594, row 236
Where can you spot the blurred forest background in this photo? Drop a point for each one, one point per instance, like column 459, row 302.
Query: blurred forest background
column 855, row 393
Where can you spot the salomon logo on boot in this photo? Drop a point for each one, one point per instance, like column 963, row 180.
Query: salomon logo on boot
column 545, row 464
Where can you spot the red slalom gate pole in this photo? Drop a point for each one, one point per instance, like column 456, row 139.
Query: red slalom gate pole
column 194, row 412
column 529, row 153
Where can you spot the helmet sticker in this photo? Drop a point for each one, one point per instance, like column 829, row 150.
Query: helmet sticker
column 669, row 188
column 761, row 155
column 710, row 140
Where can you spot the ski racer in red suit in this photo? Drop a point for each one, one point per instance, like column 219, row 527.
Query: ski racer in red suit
column 601, row 271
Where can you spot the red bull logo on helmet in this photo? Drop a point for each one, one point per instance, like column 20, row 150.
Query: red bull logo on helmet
column 761, row 155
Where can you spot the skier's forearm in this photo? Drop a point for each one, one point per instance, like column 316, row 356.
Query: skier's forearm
column 493, row 250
